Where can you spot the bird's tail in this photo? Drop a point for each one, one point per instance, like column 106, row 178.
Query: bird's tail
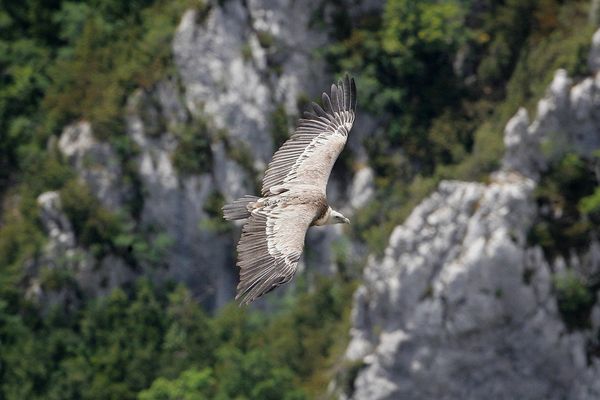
column 239, row 208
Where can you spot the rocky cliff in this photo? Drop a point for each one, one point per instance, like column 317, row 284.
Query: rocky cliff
column 237, row 66
column 461, row 306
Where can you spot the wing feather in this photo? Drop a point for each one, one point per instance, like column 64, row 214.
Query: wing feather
column 270, row 247
column 328, row 105
column 335, row 99
column 308, row 156
column 320, row 112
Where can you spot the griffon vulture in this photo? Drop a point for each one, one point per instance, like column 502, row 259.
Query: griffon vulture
column 293, row 196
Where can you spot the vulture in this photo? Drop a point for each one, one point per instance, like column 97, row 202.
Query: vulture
column 293, row 195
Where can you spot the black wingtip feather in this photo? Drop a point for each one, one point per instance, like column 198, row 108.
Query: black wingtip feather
column 342, row 97
column 347, row 91
column 318, row 110
column 327, row 103
column 337, row 97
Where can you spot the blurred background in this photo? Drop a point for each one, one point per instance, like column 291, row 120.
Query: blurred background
column 471, row 268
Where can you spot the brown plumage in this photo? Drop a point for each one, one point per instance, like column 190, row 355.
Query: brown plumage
column 293, row 195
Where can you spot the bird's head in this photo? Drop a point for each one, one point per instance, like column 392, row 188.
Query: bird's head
column 336, row 217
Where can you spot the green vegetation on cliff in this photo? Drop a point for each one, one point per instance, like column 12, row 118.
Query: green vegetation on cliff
column 444, row 78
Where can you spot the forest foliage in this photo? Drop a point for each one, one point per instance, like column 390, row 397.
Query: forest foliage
column 441, row 77
column 156, row 343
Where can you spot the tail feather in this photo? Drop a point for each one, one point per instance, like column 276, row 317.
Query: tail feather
column 239, row 208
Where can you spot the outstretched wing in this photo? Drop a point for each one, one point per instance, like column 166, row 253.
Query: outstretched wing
column 308, row 156
column 270, row 247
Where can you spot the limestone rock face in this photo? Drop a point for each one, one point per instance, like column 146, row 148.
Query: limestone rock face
column 56, row 224
column 567, row 120
column 95, row 162
column 460, row 307
column 522, row 149
column 243, row 59
column 63, row 263
column 594, row 57
column 174, row 204
column 363, row 187
column 231, row 179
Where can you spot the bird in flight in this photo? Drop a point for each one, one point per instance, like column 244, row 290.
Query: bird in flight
column 293, row 195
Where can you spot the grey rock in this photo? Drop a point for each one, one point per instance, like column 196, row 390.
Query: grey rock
column 447, row 313
column 237, row 64
column 567, row 121
column 362, row 188
column 220, row 85
column 594, row 57
column 161, row 108
column 231, row 179
column 77, row 271
column 523, row 152
column 55, row 222
column 171, row 104
column 320, row 254
column 174, row 205
column 95, row 162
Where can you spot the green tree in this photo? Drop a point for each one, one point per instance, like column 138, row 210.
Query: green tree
column 189, row 337
column 403, row 66
column 190, row 385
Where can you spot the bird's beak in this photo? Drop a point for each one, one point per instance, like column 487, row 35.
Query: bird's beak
column 346, row 221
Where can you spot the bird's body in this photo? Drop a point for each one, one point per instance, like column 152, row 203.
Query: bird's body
column 293, row 196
